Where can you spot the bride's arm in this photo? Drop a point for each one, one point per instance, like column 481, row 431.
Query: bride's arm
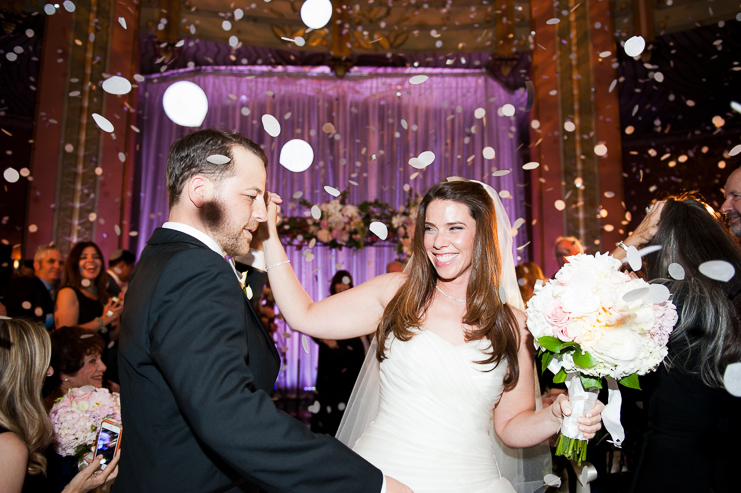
column 352, row 313
column 515, row 419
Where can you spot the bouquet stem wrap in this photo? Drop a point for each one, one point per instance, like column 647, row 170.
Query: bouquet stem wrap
column 571, row 442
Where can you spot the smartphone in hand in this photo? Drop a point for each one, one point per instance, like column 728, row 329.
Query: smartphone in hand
column 108, row 441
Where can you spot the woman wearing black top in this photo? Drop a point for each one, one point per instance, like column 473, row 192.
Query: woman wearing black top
column 694, row 427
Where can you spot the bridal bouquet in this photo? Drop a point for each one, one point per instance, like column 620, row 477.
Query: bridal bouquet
column 593, row 321
column 76, row 416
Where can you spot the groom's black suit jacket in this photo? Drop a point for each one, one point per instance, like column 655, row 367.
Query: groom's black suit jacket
column 196, row 370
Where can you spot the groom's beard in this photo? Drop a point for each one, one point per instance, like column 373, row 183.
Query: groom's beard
column 230, row 236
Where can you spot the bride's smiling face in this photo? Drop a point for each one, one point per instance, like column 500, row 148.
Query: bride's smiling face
column 449, row 238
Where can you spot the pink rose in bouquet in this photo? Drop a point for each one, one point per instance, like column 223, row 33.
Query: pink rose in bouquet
column 76, row 416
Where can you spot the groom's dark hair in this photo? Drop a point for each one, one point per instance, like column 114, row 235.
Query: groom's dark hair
column 188, row 157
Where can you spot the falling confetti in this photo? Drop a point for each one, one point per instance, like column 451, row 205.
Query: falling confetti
column 316, row 212
column 379, row 229
column 635, row 295
column 418, row 79
column 185, row 104
column 11, row 175
column 332, row 191
column 657, row 293
column 600, row 150
column 479, row 113
column 271, row 125
column 218, row 159
column 69, row 6
column 49, row 9
column 732, row 379
column 316, row 13
column 122, row 21
column 489, row 152
column 502, row 295
column 305, row 343
column 296, row 155
column 530, row 165
column 569, row 126
column 718, row 270
column 501, row 172
column 559, row 205
column 518, row 222
column 635, row 46
column 103, row 123
column 508, row 110
column 553, row 21
column 116, row 85
column 735, row 150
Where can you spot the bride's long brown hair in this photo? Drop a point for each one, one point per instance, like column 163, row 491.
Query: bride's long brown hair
column 484, row 310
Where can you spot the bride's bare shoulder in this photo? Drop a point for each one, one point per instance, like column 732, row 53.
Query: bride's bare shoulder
column 388, row 284
column 520, row 317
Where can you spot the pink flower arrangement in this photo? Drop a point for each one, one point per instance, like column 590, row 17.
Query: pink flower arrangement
column 76, row 416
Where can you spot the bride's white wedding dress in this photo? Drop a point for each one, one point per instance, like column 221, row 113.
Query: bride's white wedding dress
column 432, row 427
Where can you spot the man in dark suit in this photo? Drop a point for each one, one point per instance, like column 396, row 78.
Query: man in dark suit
column 196, row 367
column 33, row 297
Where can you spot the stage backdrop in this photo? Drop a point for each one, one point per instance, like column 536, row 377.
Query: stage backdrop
column 379, row 121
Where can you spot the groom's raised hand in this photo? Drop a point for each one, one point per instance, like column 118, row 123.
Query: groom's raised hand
column 393, row 486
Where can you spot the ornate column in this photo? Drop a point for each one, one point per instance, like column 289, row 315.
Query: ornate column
column 577, row 190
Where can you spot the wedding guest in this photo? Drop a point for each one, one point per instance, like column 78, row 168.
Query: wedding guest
column 528, row 273
column 84, row 301
column 33, row 297
column 197, row 368
column 732, row 205
column 694, row 430
column 566, row 246
column 120, row 266
column 25, row 429
column 338, row 368
column 76, row 361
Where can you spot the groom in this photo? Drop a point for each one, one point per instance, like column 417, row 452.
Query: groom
column 196, row 366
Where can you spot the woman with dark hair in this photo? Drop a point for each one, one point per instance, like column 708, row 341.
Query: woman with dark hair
column 25, row 429
column 694, row 424
column 83, row 301
column 338, row 368
column 451, row 348
column 76, row 361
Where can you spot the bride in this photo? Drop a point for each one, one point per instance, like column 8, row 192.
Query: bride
column 450, row 349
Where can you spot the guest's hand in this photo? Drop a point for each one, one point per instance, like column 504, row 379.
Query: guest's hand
column 589, row 424
column 393, row 486
column 91, row 477
column 648, row 227
column 112, row 311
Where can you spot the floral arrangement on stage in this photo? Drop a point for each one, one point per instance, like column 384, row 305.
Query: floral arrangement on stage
column 345, row 225
column 593, row 321
column 76, row 416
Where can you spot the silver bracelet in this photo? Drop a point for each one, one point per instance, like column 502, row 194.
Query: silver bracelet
column 103, row 327
column 622, row 245
column 276, row 265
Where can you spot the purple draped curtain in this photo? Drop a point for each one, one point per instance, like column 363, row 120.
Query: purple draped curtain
column 380, row 121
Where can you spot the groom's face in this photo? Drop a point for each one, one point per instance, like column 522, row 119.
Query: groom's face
column 237, row 204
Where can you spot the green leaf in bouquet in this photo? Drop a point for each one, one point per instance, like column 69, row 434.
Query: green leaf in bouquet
column 560, row 377
column 550, row 343
column 583, row 358
column 547, row 357
column 631, row 381
column 589, row 382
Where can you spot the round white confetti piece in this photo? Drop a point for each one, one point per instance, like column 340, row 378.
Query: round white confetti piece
column 508, row 110
column 659, row 77
column 649, row 249
column 415, row 163
column 635, row 295
column 718, row 270
column 30, row 33
column 404, row 124
column 736, row 106
column 552, row 480
column 92, row 217
column 633, row 258
column 122, row 157
column 49, row 9
column 226, row 26
column 122, row 21
column 298, row 195
column 98, row 171
column 316, row 13
column 296, row 155
column 271, row 125
column 352, row 182
column 233, row 41
column 501, row 172
column 605, row 54
column 316, row 212
column 426, row 158
column 133, row 233
column 69, row 6
column 332, row 191
column 238, row 14
column 553, row 21
column 11, row 56
column 657, row 293
column 116, row 85
column 732, row 379
column 569, row 126
column 735, row 150
column 502, row 294
column 327, row 128
column 379, row 229
column 629, row 129
column 103, row 123
column 559, row 205
column 479, row 113
column 518, row 222
column 299, row 41
column 25, row 172
column 11, row 175
column 218, row 159
column 185, row 104
column 489, row 152
column 180, row 44
column 316, row 407
column 85, row 282
column 530, row 165
column 600, row 149
column 139, row 78
column 418, row 79
column 505, row 194
column 535, row 124
column 305, row 343
column 39, row 312
column 26, row 305
column 18, row 49
column 635, row 46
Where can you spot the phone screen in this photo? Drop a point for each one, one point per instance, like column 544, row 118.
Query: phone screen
column 106, row 446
